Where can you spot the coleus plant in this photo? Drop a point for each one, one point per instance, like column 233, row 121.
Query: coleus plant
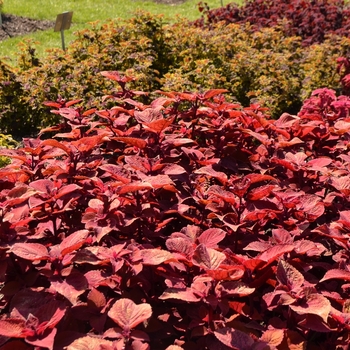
column 311, row 20
column 187, row 223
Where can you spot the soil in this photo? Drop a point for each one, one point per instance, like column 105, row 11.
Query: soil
column 16, row 25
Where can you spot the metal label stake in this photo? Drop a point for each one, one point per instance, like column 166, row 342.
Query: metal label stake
column 63, row 22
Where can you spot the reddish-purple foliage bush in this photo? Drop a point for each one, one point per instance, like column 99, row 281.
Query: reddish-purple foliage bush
column 311, row 20
column 189, row 223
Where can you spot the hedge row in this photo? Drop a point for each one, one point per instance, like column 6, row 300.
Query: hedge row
column 261, row 66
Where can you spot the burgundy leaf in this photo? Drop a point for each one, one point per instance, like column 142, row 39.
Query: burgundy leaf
column 44, row 340
column 185, row 294
column 50, row 315
column 315, row 304
column 180, row 245
column 336, row 274
column 30, row 251
column 173, row 169
column 234, row 288
column 289, row 276
column 55, row 143
column 275, row 252
column 73, row 242
column 260, row 192
column 155, row 256
column 234, row 339
column 208, row 170
column 211, row 237
column 226, row 273
column 159, row 125
column 211, row 93
column 12, row 327
column 71, row 288
column 226, row 196
column 315, row 323
column 66, row 190
column 160, row 181
column 16, row 344
column 273, row 337
column 201, row 256
column 89, row 343
column 42, row 185
column 132, row 141
column 128, row 315
column 134, row 187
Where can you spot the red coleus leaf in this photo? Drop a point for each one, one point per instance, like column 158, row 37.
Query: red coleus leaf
column 207, row 258
column 49, row 315
column 314, row 323
column 275, row 252
column 30, row 251
column 336, row 274
column 116, row 172
column 273, row 337
column 218, row 191
column 132, row 141
column 211, row 237
column 184, row 294
column 96, row 298
column 45, row 340
column 289, row 276
column 214, row 92
column 226, row 273
column 180, row 245
column 208, row 170
column 134, row 187
column 90, row 343
column 318, row 163
column 43, row 185
column 234, row 339
column 160, row 181
column 72, row 287
column 159, row 125
column 315, row 304
column 86, row 144
column 67, row 190
column 173, row 169
column 115, row 75
column 233, row 288
column 12, row 327
column 255, row 178
column 73, row 242
column 126, row 314
column 155, row 256
column 55, row 143
column 138, row 163
column 260, row 192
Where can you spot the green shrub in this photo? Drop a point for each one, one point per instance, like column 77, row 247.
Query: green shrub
column 263, row 66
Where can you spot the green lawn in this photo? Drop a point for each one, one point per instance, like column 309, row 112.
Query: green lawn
column 86, row 11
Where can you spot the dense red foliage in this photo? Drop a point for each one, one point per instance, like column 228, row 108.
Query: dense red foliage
column 189, row 223
column 311, row 20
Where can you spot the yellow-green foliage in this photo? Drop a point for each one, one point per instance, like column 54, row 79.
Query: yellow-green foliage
column 263, row 66
column 6, row 141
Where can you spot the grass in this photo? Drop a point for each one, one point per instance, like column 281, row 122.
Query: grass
column 85, row 11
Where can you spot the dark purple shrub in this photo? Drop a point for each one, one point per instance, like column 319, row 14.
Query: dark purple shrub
column 311, row 20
